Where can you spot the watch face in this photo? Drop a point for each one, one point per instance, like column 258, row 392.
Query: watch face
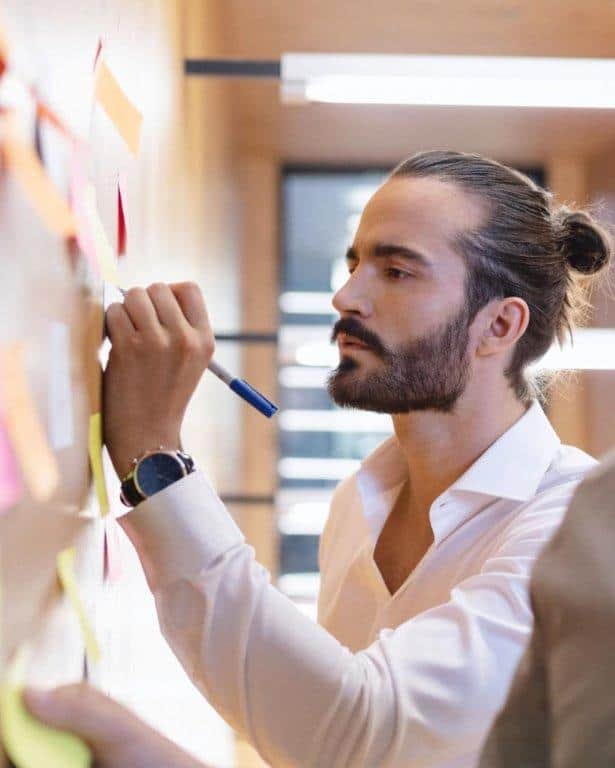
column 157, row 471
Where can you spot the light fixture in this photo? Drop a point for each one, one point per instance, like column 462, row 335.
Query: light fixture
column 476, row 81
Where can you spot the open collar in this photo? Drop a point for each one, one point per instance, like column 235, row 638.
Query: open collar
column 511, row 468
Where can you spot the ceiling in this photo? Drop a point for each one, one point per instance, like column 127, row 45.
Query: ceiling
column 372, row 135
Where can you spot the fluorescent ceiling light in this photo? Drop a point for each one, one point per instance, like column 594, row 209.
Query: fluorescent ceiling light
column 334, row 421
column 300, row 377
column 304, row 518
column 593, row 350
column 316, row 469
column 477, row 81
column 306, row 303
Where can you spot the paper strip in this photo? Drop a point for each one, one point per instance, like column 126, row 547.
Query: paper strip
column 105, row 257
column 43, row 196
column 10, row 481
column 96, row 463
column 61, row 427
column 66, row 574
column 36, row 459
column 122, row 112
column 28, row 742
column 113, row 551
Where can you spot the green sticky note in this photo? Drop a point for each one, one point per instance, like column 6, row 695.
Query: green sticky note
column 28, row 742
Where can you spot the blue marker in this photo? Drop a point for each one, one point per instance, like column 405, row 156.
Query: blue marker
column 240, row 387
column 244, row 390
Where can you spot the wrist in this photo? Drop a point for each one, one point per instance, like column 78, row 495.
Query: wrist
column 126, row 457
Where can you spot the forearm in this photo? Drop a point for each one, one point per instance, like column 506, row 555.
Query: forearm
column 283, row 681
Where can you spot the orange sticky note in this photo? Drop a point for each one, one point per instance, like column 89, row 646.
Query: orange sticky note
column 96, row 463
column 28, row 742
column 105, row 256
column 122, row 112
column 66, row 574
column 38, row 188
column 30, row 444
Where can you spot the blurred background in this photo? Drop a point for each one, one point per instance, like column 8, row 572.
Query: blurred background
column 257, row 200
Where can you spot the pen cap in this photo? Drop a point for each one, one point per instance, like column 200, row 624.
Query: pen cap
column 250, row 395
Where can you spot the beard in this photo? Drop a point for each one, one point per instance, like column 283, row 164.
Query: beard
column 429, row 373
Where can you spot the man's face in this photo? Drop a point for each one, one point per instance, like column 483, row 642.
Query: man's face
column 404, row 332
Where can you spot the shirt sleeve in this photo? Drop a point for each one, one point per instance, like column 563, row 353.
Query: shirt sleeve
column 423, row 694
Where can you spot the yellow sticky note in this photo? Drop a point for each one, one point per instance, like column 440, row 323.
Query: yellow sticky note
column 123, row 113
column 28, row 742
column 66, row 574
column 104, row 253
column 30, row 444
column 95, row 451
column 52, row 208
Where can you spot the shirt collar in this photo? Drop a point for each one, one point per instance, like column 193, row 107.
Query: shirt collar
column 511, row 468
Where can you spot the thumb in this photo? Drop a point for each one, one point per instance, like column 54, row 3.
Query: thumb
column 76, row 708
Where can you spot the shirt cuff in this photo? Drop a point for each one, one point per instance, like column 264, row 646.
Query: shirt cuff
column 180, row 531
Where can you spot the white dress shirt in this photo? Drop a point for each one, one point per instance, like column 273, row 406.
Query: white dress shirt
column 414, row 679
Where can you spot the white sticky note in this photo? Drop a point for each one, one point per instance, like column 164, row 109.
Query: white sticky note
column 61, row 418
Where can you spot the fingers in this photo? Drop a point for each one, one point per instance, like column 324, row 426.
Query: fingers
column 170, row 313
column 190, row 299
column 141, row 312
column 118, row 323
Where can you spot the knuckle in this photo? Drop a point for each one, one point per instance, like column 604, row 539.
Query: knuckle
column 134, row 294
column 158, row 288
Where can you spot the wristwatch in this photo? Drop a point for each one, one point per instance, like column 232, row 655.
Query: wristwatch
column 152, row 472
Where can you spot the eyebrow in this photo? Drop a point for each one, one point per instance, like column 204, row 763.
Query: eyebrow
column 383, row 250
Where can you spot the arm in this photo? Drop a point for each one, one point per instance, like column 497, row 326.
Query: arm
column 574, row 595
column 424, row 691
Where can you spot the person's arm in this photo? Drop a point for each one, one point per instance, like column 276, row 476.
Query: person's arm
column 424, row 692
column 116, row 736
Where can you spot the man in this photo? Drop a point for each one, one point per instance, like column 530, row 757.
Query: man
column 461, row 274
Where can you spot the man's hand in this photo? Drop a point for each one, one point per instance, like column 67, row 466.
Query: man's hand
column 117, row 738
column 161, row 344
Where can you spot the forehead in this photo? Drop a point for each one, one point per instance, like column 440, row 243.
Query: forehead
column 425, row 213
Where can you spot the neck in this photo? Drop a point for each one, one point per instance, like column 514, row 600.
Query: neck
column 440, row 447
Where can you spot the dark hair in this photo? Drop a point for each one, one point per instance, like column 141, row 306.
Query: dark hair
column 528, row 247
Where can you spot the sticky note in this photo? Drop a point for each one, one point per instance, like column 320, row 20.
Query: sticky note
column 46, row 113
column 122, row 112
column 96, row 463
column 66, row 574
column 52, row 208
column 60, row 391
column 28, row 439
column 105, row 257
column 113, row 551
column 28, row 742
column 10, row 480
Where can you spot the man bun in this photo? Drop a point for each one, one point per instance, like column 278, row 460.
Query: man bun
column 586, row 246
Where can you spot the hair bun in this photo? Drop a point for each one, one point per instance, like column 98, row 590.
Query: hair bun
column 584, row 244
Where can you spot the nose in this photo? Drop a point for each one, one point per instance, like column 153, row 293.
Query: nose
column 352, row 297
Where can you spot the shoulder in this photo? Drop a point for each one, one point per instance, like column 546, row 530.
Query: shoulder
column 539, row 517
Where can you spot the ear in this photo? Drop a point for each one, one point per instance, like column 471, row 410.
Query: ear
column 504, row 323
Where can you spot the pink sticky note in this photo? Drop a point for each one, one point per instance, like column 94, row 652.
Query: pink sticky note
column 10, row 480
column 78, row 192
column 113, row 551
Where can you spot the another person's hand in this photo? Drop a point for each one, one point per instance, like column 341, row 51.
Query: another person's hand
column 161, row 344
column 117, row 737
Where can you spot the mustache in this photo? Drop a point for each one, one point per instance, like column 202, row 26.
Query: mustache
column 353, row 327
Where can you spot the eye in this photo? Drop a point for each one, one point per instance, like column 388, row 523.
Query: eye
column 397, row 274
